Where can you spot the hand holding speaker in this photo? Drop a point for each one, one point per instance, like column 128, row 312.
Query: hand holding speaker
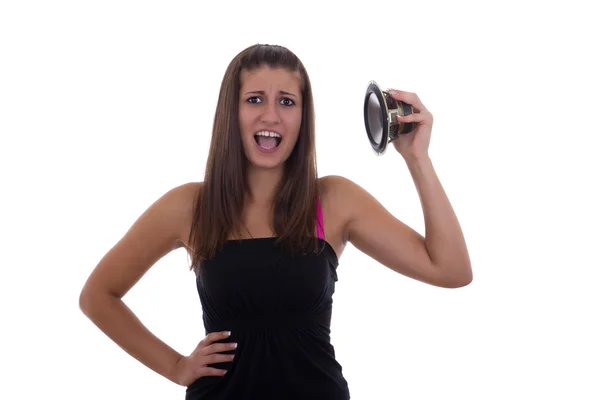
column 416, row 142
column 398, row 117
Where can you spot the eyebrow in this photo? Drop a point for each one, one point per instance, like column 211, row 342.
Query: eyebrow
column 263, row 92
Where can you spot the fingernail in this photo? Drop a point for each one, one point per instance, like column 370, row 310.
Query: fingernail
column 228, row 333
column 233, row 345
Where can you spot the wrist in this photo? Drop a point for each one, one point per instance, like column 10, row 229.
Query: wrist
column 175, row 372
column 417, row 158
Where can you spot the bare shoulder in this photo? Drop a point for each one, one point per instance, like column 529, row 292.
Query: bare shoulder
column 161, row 228
column 332, row 189
column 178, row 207
column 172, row 213
column 338, row 196
column 345, row 197
column 338, row 188
column 337, row 184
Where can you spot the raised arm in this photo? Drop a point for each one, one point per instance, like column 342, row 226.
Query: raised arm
column 441, row 257
column 162, row 228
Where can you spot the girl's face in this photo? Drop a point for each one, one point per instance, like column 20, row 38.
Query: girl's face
column 270, row 113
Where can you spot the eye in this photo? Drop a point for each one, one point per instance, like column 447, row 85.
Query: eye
column 291, row 102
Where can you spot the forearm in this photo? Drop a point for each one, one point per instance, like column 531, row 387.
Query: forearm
column 112, row 316
column 444, row 238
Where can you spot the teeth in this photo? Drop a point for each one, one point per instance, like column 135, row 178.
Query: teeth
column 268, row 134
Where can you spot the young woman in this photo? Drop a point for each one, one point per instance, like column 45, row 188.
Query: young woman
column 265, row 234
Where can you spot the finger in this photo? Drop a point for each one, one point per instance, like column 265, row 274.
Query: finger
column 217, row 358
column 213, row 337
column 208, row 371
column 219, row 348
column 412, row 118
column 408, row 97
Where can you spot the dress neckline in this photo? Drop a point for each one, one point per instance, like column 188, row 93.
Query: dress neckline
column 328, row 246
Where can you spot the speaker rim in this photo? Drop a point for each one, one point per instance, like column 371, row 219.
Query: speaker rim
column 373, row 88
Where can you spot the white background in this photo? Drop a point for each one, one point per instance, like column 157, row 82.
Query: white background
column 104, row 106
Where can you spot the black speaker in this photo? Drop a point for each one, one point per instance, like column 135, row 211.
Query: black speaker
column 381, row 124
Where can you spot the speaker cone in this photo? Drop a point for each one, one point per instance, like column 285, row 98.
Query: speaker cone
column 380, row 111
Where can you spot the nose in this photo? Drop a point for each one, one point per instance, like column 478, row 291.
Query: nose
column 270, row 114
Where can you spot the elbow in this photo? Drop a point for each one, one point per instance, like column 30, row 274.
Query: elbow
column 458, row 283
column 89, row 300
column 458, row 280
column 85, row 302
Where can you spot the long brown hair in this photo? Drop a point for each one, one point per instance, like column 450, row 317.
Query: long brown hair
column 218, row 206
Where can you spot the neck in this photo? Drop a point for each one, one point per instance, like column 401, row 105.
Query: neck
column 262, row 185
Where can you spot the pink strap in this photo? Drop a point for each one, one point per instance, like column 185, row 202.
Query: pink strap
column 320, row 230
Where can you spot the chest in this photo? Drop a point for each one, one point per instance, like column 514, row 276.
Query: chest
column 252, row 275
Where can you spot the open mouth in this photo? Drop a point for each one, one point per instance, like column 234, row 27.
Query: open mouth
column 267, row 140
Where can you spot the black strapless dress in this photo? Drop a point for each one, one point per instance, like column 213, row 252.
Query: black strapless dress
column 278, row 309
